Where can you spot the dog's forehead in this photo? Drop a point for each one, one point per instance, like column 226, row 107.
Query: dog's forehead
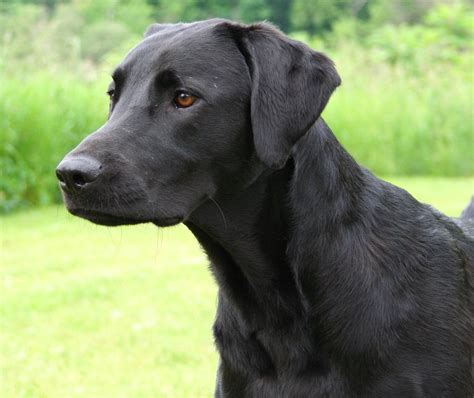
column 195, row 48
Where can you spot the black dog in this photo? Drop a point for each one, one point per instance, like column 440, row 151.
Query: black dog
column 332, row 283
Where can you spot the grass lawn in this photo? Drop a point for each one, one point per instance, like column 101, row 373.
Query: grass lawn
column 119, row 312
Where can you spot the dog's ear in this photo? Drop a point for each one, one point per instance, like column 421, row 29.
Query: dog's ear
column 291, row 85
column 154, row 28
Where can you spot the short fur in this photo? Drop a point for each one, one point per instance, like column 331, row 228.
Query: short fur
column 332, row 283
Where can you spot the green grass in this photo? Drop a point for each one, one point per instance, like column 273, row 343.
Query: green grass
column 96, row 312
column 89, row 311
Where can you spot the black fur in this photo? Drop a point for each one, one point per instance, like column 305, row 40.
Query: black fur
column 332, row 283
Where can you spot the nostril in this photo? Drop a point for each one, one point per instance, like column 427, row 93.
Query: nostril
column 78, row 180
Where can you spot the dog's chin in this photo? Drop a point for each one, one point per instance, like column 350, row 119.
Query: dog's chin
column 113, row 220
column 167, row 222
column 103, row 218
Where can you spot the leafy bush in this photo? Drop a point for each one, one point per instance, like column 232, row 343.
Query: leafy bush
column 111, row 35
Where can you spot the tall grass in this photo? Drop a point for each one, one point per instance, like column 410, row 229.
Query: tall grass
column 398, row 121
column 42, row 116
column 394, row 120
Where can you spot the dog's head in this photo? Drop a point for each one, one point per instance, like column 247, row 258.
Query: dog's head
column 195, row 109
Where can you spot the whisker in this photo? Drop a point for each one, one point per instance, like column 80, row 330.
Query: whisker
column 220, row 210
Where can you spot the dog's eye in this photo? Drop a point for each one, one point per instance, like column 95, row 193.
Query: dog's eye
column 184, row 100
column 111, row 93
column 111, row 90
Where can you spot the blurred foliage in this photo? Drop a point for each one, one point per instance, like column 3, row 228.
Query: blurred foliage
column 41, row 118
column 406, row 67
column 53, row 33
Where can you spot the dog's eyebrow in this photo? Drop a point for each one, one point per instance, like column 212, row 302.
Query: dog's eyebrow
column 118, row 74
column 168, row 77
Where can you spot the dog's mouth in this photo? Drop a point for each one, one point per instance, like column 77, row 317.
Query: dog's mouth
column 112, row 220
column 133, row 210
column 102, row 218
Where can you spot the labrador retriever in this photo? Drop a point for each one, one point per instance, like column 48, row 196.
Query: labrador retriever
column 332, row 282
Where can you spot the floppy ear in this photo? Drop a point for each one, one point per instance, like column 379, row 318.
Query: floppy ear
column 291, row 85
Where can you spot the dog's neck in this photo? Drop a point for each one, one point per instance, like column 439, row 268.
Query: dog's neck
column 327, row 183
column 247, row 236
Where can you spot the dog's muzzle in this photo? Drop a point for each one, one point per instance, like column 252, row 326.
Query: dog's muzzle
column 77, row 173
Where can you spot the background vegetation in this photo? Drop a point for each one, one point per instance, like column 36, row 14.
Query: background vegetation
column 405, row 106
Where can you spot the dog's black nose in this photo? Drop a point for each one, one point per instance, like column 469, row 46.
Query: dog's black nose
column 77, row 172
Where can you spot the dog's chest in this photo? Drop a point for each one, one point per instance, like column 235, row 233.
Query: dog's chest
column 275, row 363
column 268, row 350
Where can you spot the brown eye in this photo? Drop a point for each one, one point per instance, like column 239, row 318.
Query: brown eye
column 184, row 100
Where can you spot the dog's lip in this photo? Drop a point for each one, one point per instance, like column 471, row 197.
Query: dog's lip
column 104, row 218
column 167, row 222
column 101, row 217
